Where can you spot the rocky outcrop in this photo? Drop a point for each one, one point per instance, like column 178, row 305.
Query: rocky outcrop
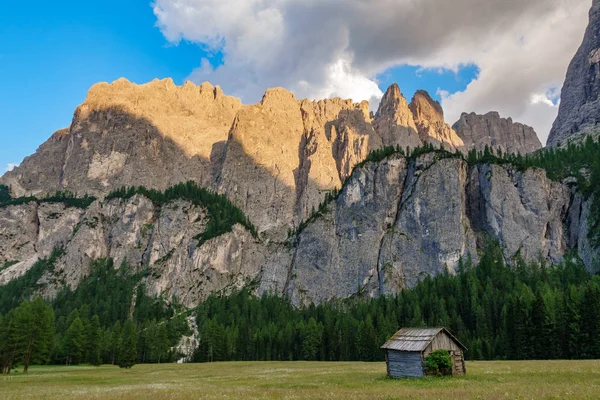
column 411, row 125
column 283, row 155
column 394, row 121
column 431, row 126
column 579, row 112
column 134, row 232
column 156, row 135
column 479, row 131
column 395, row 222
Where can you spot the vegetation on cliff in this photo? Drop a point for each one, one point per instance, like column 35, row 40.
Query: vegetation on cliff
column 223, row 213
column 67, row 198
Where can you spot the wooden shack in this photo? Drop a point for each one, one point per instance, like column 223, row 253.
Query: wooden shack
column 406, row 351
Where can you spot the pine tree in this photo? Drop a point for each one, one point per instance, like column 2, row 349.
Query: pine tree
column 93, row 341
column 312, row 335
column 37, row 330
column 74, row 342
column 128, row 345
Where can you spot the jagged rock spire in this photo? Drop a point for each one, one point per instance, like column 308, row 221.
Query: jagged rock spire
column 579, row 112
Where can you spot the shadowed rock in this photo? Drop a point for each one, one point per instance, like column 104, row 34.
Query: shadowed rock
column 579, row 112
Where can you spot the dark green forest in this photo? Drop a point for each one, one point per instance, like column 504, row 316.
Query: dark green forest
column 525, row 311
column 107, row 319
column 528, row 311
column 67, row 198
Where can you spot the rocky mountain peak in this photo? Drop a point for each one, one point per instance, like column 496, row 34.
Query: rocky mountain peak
column 429, row 120
column 478, row 131
column 579, row 112
column 394, row 121
column 278, row 97
column 424, row 108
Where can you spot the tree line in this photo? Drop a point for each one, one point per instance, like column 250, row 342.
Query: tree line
column 107, row 319
column 67, row 198
column 525, row 311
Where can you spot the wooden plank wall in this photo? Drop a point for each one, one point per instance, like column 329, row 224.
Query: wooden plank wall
column 403, row 364
column 444, row 342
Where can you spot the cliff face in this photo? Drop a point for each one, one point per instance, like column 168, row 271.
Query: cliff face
column 429, row 118
column 275, row 159
column 124, row 134
column 579, row 112
column 395, row 222
column 479, row 131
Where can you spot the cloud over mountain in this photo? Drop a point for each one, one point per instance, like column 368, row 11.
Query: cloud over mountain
column 322, row 48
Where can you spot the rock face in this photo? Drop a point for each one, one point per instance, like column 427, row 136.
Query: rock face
column 394, row 221
column 394, row 121
column 133, row 231
column 429, row 119
column 412, row 125
column 124, row 134
column 579, row 112
column 397, row 222
column 479, row 131
column 283, row 155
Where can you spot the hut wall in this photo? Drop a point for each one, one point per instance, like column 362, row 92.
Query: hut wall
column 444, row 342
column 404, row 364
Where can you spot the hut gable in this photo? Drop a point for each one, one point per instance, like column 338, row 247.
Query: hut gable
column 407, row 348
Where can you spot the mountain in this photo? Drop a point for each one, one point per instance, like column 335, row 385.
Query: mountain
column 579, row 112
column 316, row 199
column 478, row 131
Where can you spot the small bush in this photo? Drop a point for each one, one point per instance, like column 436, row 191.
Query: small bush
column 438, row 363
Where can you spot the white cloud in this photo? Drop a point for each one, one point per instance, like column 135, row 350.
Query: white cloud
column 323, row 48
column 10, row 167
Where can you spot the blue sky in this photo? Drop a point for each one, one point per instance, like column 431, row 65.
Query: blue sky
column 52, row 52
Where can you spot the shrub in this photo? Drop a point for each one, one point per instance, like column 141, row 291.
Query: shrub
column 438, row 363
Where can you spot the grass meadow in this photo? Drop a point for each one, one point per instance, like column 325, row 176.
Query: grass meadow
column 304, row 380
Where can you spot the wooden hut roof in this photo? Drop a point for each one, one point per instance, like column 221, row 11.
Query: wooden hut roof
column 415, row 339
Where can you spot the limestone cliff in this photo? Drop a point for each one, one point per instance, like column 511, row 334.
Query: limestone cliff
column 429, row 119
column 124, row 134
column 579, row 112
column 395, row 222
column 283, row 155
column 412, row 125
column 394, row 121
column 479, row 131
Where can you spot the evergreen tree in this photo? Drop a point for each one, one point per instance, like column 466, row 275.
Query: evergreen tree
column 36, row 329
column 128, row 345
column 93, row 336
column 74, row 342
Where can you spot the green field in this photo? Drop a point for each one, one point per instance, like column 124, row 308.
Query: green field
column 304, row 380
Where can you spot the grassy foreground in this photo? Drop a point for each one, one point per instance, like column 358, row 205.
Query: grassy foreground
column 304, row 380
